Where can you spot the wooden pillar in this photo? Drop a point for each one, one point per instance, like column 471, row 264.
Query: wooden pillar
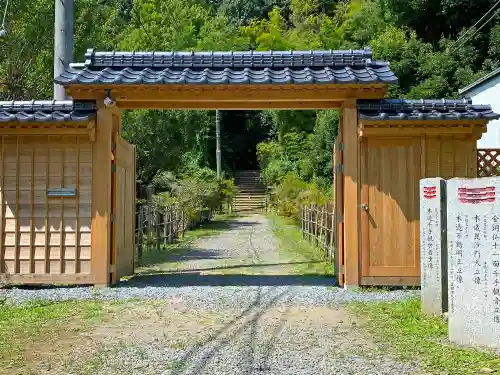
column 339, row 202
column 351, row 194
column 101, row 196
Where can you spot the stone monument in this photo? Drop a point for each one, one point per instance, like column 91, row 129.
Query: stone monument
column 433, row 254
column 473, row 225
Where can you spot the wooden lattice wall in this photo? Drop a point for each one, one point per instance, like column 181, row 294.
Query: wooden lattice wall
column 488, row 162
column 43, row 236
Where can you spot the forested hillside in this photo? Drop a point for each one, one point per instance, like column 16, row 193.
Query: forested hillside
column 418, row 37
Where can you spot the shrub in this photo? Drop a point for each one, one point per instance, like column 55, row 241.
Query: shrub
column 193, row 193
column 292, row 193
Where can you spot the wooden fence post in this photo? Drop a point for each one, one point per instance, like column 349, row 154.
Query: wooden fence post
column 169, row 228
column 158, row 229
column 183, row 219
column 302, row 222
column 140, row 222
column 320, row 234
column 165, row 227
column 314, row 224
column 149, row 218
column 308, row 221
column 332, row 232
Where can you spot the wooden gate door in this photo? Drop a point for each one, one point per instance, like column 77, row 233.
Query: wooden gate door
column 390, row 237
column 124, row 208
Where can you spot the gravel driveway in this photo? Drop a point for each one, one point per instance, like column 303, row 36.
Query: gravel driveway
column 230, row 305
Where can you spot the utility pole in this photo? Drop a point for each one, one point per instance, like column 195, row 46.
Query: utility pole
column 217, row 137
column 63, row 41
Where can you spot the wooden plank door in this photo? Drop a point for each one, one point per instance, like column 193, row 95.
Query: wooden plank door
column 124, row 208
column 390, row 173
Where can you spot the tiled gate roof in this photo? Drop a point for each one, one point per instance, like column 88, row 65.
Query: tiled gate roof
column 46, row 111
column 424, row 109
column 251, row 67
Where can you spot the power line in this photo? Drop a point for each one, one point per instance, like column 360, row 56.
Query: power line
column 478, row 30
column 464, row 35
column 2, row 28
column 478, row 22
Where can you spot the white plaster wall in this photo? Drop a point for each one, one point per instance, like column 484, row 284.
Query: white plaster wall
column 488, row 93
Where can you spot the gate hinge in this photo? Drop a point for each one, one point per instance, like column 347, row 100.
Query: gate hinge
column 341, row 146
column 341, row 268
column 113, row 168
column 341, row 168
column 341, row 219
column 112, row 218
column 113, row 146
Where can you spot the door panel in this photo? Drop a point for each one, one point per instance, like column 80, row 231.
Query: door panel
column 124, row 223
column 390, row 172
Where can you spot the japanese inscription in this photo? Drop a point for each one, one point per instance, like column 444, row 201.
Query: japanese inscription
column 473, row 212
column 432, row 246
column 495, row 265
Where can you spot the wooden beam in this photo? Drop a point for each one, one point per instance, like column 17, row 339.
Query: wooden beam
column 239, row 93
column 44, row 125
column 351, row 194
column 45, row 131
column 101, row 196
column 391, row 281
column 422, row 123
column 33, row 279
column 412, row 132
column 227, row 105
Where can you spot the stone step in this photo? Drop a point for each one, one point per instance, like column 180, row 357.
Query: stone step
column 248, row 203
column 254, row 204
column 246, row 200
column 246, row 173
column 251, row 184
column 251, row 193
column 250, row 196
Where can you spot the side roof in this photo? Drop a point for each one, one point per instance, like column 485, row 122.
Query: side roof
column 424, row 109
column 46, row 111
column 480, row 81
column 248, row 67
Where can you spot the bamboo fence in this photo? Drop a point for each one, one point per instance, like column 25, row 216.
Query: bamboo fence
column 318, row 227
column 160, row 227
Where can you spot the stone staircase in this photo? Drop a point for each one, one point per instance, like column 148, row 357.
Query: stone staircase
column 251, row 195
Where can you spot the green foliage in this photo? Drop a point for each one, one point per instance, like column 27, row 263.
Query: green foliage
column 417, row 37
column 193, row 192
column 408, row 332
column 298, row 165
column 292, row 193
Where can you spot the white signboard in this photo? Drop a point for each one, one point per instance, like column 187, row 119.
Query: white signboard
column 433, row 246
column 473, row 224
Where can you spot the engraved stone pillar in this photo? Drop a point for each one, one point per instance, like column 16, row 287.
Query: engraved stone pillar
column 433, row 254
column 473, row 225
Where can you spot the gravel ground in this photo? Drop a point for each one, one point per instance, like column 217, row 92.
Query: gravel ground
column 195, row 318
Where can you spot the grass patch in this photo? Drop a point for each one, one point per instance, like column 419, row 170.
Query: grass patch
column 297, row 250
column 410, row 334
column 25, row 326
column 154, row 260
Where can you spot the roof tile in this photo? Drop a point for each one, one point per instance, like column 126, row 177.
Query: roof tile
column 424, row 109
column 282, row 67
column 46, row 111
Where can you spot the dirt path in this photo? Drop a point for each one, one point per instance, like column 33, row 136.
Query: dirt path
column 230, row 305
